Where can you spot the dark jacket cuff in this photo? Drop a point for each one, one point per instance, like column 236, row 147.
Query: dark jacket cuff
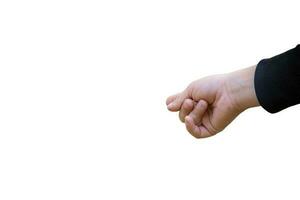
column 277, row 81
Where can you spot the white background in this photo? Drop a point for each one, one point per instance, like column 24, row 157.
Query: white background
column 82, row 100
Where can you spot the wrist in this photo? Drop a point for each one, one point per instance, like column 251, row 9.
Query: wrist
column 241, row 86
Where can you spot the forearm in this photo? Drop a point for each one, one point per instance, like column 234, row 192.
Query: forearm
column 241, row 86
column 273, row 83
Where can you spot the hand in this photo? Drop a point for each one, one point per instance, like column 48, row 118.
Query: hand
column 209, row 104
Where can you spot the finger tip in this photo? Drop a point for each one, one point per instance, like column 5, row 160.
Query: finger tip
column 186, row 106
column 203, row 102
column 171, row 98
column 188, row 100
column 172, row 107
column 189, row 104
column 168, row 101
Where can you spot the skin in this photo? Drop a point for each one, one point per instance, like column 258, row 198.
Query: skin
column 209, row 104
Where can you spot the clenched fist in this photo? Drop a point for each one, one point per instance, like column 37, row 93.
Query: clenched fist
column 209, row 104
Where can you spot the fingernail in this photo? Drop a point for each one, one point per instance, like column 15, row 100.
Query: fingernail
column 170, row 105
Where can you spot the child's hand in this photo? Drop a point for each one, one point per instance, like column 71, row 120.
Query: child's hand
column 209, row 104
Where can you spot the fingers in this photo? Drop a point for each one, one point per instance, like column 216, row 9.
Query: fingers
column 186, row 108
column 171, row 98
column 176, row 104
column 198, row 112
column 193, row 121
column 196, row 131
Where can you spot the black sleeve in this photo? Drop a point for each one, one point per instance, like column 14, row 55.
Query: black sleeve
column 277, row 81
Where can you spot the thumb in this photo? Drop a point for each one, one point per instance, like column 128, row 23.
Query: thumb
column 176, row 104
